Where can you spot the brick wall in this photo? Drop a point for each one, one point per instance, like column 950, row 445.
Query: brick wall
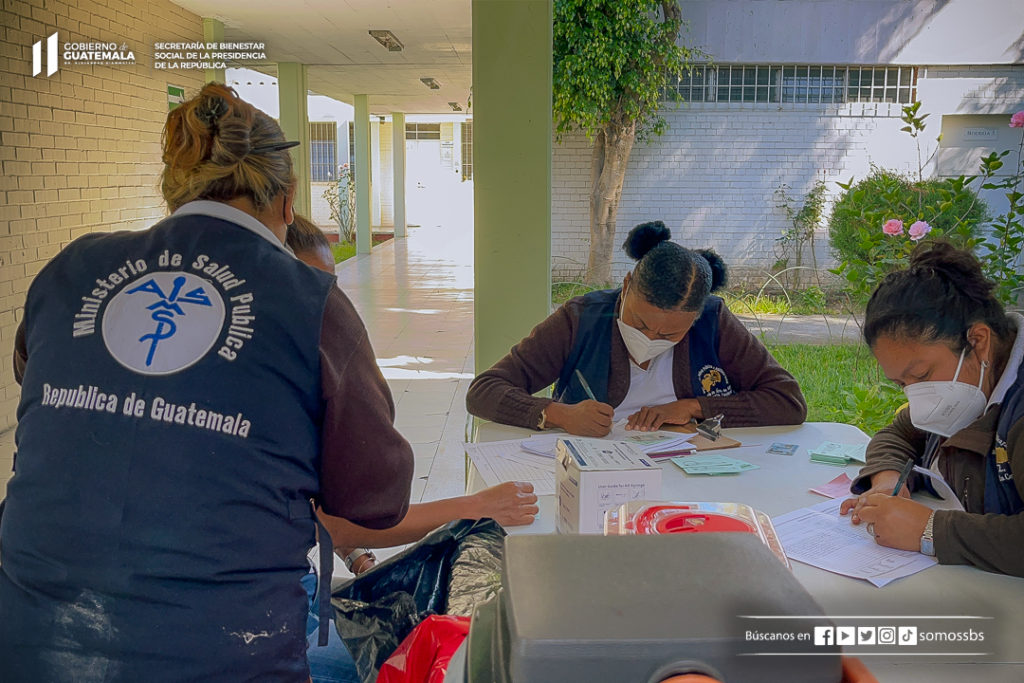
column 81, row 148
column 713, row 176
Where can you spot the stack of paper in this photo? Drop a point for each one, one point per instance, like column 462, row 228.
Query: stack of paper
column 654, row 444
column 501, row 461
column 820, row 537
column 842, row 454
column 713, row 463
column 837, row 488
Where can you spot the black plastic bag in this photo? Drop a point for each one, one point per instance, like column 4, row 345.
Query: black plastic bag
column 452, row 569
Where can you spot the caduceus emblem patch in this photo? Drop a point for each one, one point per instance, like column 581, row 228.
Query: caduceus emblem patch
column 163, row 322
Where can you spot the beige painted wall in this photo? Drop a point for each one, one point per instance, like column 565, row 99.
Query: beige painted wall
column 81, row 148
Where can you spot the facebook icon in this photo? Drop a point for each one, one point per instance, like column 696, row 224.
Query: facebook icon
column 824, row 635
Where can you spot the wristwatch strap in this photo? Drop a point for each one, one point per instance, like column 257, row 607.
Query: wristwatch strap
column 355, row 555
column 927, row 538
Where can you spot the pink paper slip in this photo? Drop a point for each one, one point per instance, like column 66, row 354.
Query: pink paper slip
column 837, row 488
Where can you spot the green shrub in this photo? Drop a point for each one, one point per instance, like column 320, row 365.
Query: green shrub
column 858, row 214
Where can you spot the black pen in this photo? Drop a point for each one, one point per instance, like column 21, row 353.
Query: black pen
column 904, row 475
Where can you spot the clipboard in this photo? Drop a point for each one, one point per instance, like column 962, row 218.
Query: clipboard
column 702, row 443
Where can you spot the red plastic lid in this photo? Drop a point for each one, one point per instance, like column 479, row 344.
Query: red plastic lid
column 675, row 519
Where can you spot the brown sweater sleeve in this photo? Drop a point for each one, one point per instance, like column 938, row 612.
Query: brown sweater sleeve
column 764, row 392
column 504, row 392
column 890, row 449
column 366, row 465
column 992, row 542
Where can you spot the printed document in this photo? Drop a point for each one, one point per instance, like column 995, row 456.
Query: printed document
column 820, row 537
column 501, row 461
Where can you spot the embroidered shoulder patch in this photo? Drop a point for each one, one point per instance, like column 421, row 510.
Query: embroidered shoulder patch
column 714, row 381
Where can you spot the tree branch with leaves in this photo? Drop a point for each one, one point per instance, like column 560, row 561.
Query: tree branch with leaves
column 612, row 62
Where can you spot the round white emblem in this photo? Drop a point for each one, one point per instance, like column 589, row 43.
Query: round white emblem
column 163, row 322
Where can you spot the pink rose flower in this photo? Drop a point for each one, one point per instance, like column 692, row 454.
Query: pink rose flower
column 1017, row 120
column 919, row 230
column 893, row 227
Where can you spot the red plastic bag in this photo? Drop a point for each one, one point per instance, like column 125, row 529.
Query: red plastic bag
column 424, row 654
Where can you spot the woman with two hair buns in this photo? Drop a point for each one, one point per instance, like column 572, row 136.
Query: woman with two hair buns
column 938, row 331
column 662, row 349
column 186, row 391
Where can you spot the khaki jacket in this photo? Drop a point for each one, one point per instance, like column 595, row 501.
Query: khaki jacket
column 992, row 542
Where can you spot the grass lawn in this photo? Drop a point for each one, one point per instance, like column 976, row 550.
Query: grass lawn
column 346, row 250
column 842, row 383
column 811, row 301
column 343, row 250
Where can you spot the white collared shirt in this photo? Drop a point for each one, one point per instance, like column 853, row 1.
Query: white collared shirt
column 650, row 387
column 206, row 207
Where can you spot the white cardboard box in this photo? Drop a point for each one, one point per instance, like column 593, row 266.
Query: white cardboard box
column 594, row 475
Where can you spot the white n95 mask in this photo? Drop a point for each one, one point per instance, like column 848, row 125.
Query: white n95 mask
column 944, row 408
column 639, row 346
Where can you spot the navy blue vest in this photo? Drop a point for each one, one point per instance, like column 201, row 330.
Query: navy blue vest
column 591, row 350
column 1001, row 494
column 158, row 521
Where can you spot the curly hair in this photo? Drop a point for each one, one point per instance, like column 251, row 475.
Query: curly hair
column 217, row 146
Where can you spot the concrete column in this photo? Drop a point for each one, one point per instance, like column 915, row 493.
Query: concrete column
column 375, row 172
column 362, row 164
column 213, row 32
column 398, row 169
column 512, row 172
column 292, row 87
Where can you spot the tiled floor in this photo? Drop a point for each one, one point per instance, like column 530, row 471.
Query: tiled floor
column 416, row 297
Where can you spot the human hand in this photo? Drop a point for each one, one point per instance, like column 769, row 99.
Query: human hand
column 363, row 563
column 894, row 521
column 881, row 482
column 512, row 503
column 586, row 418
column 651, row 418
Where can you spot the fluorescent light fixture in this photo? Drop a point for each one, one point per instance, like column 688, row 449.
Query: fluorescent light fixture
column 431, row 83
column 455, row 106
column 387, row 39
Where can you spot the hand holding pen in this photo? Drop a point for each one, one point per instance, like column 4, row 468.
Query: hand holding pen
column 586, row 418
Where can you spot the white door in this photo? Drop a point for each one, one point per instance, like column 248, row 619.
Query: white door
column 422, row 172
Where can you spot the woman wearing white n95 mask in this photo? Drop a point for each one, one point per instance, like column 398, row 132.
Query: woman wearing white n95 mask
column 660, row 350
column 937, row 331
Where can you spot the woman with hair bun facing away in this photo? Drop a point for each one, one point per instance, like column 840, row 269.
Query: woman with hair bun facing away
column 938, row 332
column 186, row 392
column 662, row 349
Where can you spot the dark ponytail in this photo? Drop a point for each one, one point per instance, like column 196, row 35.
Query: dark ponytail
column 670, row 276
column 936, row 298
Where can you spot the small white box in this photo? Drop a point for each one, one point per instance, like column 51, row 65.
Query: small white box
column 594, row 475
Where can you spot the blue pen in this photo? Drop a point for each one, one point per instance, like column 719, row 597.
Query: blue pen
column 586, row 387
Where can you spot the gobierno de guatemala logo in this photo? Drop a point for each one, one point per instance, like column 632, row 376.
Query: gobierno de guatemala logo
column 163, row 323
column 78, row 53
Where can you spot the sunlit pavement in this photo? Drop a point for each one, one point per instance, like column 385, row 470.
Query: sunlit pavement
column 416, row 297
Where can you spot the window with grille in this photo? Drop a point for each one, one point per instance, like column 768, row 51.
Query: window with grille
column 797, row 84
column 423, row 131
column 467, row 149
column 323, row 151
